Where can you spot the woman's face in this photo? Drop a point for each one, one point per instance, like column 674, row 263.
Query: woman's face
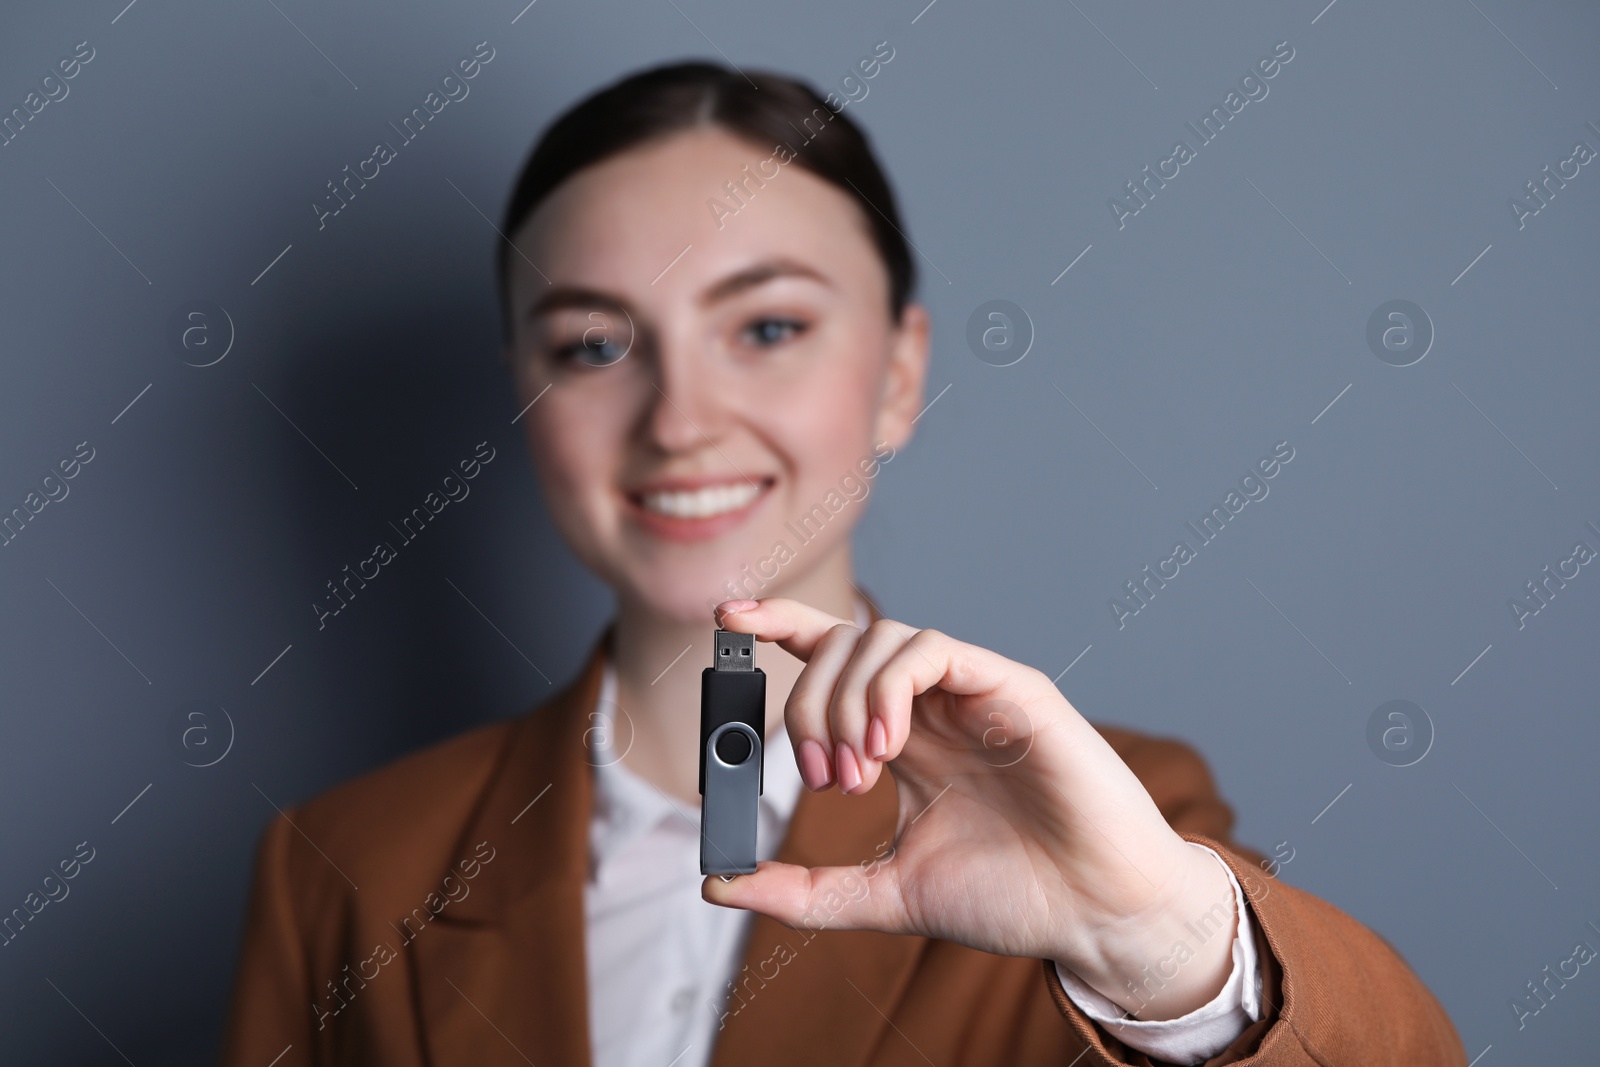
column 712, row 389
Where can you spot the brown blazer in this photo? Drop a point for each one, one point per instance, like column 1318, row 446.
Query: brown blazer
column 440, row 900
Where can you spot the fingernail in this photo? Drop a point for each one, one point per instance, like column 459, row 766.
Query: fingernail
column 849, row 772
column 814, row 765
column 877, row 739
column 733, row 607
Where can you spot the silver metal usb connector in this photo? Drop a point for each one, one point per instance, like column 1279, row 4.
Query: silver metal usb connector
column 734, row 652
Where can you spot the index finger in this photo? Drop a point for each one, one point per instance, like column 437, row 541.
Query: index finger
column 792, row 626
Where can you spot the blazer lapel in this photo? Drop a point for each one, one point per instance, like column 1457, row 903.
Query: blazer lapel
column 821, row 996
column 500, row 976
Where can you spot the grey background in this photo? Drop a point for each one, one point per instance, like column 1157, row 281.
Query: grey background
column 1211, row 327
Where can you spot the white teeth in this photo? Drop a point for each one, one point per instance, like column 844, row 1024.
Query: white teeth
column 702, row 503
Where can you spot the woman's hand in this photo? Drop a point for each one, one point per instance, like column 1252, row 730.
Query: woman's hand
column 1020, row 831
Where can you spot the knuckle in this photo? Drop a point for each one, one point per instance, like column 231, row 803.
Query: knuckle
column 883, row 627
column 843, row 631
column 846, row 711
column 801, row 710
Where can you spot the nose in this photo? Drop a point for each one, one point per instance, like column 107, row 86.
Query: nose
column 684, row 412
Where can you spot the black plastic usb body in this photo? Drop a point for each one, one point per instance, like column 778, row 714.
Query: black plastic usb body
column 733, row 714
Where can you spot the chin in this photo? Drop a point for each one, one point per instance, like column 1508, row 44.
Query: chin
column 685, row 581
column 683, row 598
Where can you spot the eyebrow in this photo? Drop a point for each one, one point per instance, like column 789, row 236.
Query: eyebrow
column 565, row 297
column 760, row 274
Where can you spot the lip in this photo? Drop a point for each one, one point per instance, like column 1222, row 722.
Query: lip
column 676, row 528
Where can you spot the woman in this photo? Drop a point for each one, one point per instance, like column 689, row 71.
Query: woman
column 708, row 311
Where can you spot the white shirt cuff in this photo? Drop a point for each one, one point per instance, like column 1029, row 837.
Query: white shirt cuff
column 1204, row 1032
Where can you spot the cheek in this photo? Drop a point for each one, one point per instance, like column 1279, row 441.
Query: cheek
column 853, row 388
column 828, row 419
column 575, row 455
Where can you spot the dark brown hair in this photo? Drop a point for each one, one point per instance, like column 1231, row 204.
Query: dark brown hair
column 766, row 109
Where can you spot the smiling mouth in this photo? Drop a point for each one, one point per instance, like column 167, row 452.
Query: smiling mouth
column 706, row 502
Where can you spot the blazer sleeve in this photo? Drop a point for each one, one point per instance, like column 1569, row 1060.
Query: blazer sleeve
column 271, row 1011
column 1332, row 991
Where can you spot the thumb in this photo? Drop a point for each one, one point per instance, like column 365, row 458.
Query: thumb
column 815, row 898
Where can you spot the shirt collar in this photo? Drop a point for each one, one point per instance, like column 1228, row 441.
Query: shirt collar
column 627, row 807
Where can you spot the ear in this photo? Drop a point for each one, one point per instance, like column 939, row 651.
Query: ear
column 904, row 377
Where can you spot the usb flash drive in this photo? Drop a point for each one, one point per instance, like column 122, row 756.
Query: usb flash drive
column 733, row 714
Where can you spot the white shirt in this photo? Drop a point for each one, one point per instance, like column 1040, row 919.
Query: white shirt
column 660, row 959
column 1204, row 1032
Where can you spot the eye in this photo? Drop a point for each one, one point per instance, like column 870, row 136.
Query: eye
column 766, row 332
column 595, row 352
column 596, row 348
